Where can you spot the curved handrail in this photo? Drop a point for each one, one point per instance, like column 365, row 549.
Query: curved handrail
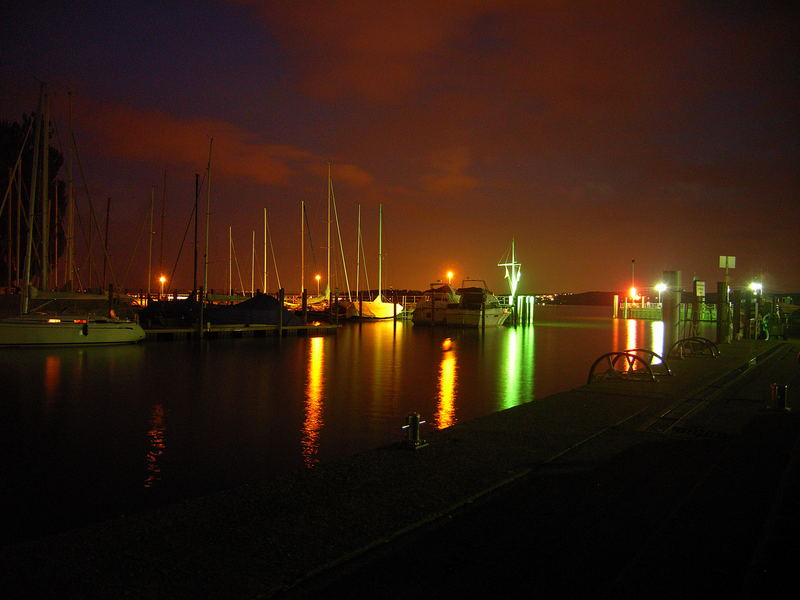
column 689, row 347
column 630, row 360
column 652, row 355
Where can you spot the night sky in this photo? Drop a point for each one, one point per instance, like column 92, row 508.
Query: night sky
column 592, row 132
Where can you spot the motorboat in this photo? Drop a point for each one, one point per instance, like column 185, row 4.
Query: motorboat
column 432, row 308
column 475, row 307
column 66, row 330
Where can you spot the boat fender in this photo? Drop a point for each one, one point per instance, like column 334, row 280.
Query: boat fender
column 85, row 329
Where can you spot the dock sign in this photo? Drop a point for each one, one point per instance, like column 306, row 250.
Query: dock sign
column 699, row 289
column 727, row 262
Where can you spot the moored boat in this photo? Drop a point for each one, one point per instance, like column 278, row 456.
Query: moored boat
column 475, row 307
column 50, row 330
column 431, row 310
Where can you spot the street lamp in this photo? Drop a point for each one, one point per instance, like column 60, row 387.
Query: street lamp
column 317, row 277
column 660, row 288
column 756, row 287
column 449, row 278
column 162, row 279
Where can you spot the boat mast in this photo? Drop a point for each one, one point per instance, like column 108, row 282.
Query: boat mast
column 150, row 243
column 272, row 250
column 302, row 246
column 358, row 255
column 230, row 258
column 161, row 232
column 196, row 194
column 264, row 283
column 253, row 265
column 45, row 194
column 341, row 247
column 514, row 274
column 328, row 276
column 205, row 250
column 70, row 210
column 32, row 206
column 380, row 252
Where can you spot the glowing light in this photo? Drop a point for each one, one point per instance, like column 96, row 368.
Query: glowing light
column 163, row 280
column 447, row 345
column 633, row 293
column 756, row 287
column 631, row 337
column 54, row 320
column 314, row 390
column 449, row 278
column 317, row 277
column 657, row 342
column 661, row 288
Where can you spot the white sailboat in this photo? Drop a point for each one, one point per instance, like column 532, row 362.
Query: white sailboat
column 39, row 328
column 377, row 308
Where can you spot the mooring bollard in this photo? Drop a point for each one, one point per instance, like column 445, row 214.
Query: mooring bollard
column 778, row 397
column 413, row 439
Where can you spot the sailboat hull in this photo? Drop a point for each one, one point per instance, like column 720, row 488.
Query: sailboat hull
column 33, row 332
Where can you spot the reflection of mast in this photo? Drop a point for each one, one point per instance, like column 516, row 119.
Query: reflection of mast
column 157, row 441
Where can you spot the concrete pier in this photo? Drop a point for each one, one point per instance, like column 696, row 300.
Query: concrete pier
column 671, row 488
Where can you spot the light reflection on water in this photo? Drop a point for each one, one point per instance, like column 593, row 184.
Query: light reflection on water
column 313, row 402
column 445, row 410
column 113, row 429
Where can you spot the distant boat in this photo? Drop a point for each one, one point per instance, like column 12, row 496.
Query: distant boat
column 431, row 310
column 63, row 330
column 475, row 307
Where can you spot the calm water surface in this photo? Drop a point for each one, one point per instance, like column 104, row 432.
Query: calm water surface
column 89, row 433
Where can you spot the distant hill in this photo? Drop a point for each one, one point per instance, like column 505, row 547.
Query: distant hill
column 583, row 298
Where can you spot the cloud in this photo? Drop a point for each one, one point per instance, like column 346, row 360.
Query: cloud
column 373, row 51
column 451, row 177
column 155, row 136
column 148, row 135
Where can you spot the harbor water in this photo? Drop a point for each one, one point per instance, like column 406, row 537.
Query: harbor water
column 95, row 432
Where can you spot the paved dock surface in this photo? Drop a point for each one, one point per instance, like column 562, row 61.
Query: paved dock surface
column 683, row 487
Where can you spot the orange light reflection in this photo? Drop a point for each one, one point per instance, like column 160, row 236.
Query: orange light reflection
column 52, row 376
column 446, row 408
column 314, row 389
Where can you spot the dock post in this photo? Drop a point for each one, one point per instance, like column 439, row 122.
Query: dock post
column 281, row 297
column 671, row 300
column 413, row 439
column 723, row 313
column 616, row 306
column 737, row 314
column 305, row 306
column 394, row 306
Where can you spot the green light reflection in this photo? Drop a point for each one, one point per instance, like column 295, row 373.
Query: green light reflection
column 517, row 367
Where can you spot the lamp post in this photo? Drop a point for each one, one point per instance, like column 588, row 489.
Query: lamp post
column 660, row 288
column 756, row 288
column 162, row 279
column 317, row 277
